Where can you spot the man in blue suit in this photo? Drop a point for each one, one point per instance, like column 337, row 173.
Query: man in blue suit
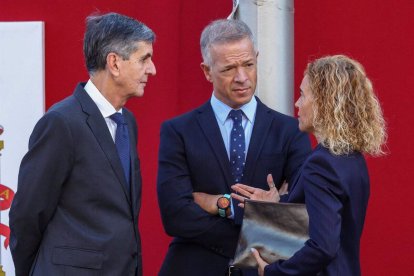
column 79, row 191
column 196, row 162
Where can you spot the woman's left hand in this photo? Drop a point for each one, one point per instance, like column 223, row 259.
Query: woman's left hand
column 260, row 261
column 248, row 192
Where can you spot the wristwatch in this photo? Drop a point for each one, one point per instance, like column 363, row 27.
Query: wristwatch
column 223, row 203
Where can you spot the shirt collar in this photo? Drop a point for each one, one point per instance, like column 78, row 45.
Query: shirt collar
column 104, row 106
column 222, row 110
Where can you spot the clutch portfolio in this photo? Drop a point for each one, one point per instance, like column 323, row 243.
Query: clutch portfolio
column 276, row 230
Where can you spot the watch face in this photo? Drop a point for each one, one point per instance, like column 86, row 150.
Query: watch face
column 223, row 202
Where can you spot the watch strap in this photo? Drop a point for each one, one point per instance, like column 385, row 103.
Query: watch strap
column 222, row 211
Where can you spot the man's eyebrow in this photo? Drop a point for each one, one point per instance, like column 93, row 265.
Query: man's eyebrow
column 148, row 55
column 229, row 66
column 250, row 60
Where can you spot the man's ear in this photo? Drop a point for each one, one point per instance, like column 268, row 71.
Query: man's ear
column 206, row 70
column 113, row 63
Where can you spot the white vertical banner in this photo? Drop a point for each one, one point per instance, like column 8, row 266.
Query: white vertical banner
column 22, row 103
column 271, row 22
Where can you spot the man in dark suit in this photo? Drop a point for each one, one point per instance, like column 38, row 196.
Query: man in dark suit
column 199, row 159
column 79, row 191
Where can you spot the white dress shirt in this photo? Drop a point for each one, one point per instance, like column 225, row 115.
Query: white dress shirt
column 225, row 123
column 104, row 106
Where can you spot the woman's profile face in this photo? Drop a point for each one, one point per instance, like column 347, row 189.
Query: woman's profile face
column 305, row 107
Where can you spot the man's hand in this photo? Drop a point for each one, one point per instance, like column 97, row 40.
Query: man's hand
column 207, row 202
column 247, row 192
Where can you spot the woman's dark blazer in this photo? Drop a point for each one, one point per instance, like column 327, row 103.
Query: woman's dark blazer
column 335, row 190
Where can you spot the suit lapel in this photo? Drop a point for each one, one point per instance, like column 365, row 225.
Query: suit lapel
column 208, row 124
column 262, row 123
column 100, row 130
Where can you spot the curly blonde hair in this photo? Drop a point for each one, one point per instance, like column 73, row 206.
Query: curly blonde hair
column 347, row 114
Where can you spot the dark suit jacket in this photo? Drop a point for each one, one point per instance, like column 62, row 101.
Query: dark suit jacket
column 335, row 190
column 72, row 214
column 193, row 158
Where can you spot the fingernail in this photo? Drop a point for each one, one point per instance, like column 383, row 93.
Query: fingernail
column 252, row 250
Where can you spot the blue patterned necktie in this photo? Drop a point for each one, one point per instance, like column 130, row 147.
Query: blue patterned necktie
column 122, row 143
column 237, row 146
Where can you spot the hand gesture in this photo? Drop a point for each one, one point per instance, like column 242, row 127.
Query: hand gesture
column 244, row 192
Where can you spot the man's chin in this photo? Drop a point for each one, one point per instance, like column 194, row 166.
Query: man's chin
column 139, row 94
column 246, row 98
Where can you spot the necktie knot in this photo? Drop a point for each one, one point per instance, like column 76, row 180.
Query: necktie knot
column 236, row 115
column 118, row 118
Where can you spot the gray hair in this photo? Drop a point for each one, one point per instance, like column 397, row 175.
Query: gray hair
column 112, row 33
column 223, row 31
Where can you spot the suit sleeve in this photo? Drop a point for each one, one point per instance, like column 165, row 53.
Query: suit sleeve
column 42, row 172
column 323, row 199
column 181, row 216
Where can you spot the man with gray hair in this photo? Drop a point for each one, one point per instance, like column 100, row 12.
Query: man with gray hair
column 232, row 138
column 79, row 190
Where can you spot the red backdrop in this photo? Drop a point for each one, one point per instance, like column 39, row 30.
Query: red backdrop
column 377, row 33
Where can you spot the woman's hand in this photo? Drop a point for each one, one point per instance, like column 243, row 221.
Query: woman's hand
column 260, row 262
column 244, row 192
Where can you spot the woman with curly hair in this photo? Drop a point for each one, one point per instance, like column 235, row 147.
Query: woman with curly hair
column 337, row 104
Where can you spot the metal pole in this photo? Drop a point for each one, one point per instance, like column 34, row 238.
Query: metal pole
column 271, row 22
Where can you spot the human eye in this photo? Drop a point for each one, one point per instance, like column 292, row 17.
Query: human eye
column 301, row 95
column 226, row 69
column 145, row 58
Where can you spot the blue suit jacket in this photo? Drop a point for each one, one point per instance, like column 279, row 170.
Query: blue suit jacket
column 72, row 214
column 335, row 190
column 193, row 158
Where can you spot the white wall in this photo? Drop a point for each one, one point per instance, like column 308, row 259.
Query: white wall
column 21, row 102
